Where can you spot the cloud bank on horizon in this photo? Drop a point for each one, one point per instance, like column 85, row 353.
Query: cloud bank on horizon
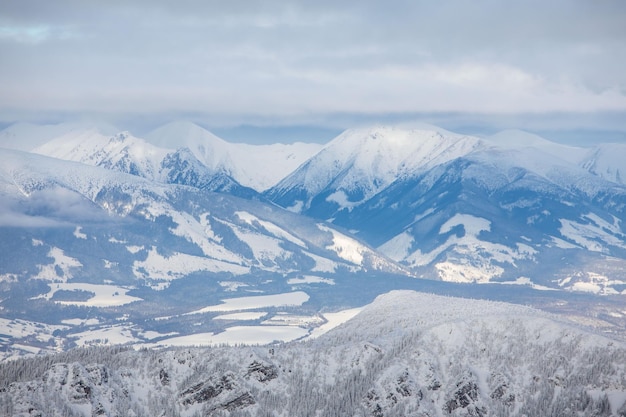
column 245, row 61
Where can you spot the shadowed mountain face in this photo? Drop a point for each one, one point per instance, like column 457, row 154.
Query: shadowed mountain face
column 468, row 209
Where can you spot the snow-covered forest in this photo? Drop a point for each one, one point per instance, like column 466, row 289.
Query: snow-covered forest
column 407, row 354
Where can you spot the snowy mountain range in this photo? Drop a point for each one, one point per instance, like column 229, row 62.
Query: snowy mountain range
column 406, row 354
column 473, row 210
column 183, row 238
column 102, row 145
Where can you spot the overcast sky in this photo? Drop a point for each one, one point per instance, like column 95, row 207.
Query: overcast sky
column 557, row 64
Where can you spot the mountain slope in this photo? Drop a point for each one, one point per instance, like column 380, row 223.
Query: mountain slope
column 255, row 166
column 607, row 161
column 27, row 136
column 125, row 153
column 360, row 163
column 468, row 209
column 80, row 242
column 121, row 196
column 405, row 354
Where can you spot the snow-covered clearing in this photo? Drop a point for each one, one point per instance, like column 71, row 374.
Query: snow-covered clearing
column 231, row 286
column 78, row 234
column 270, row 227
column 247, row 335
column 119, row 334
column 345, row 247
column 104, row 295
column 81, row 322
column 245, row 315
column 22, row 328
column 310, row 279
column 282, row 319
column 333, row 320
column 161, row 268
column 590, row 235
column 264, row 248
column 295, row 298
column 62, row 262
column 527, row 282
column 398, row 247
column 476, row 257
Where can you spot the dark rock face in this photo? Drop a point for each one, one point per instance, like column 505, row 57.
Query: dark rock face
column 80, row 389
column 242, row 401
column 465, row 396
column 501, row 390
column 204, row 391
column 262, row 373
column 164, row 377
column 222, row 394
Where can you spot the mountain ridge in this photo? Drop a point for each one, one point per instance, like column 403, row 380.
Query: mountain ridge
column 146, row 245
column 524, row 195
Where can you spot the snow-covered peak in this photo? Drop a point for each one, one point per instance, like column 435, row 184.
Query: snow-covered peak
column 262, row 166
column 518, row 139
column 360, row 162
column 121, row 152
column 255, row 166
column 607, row 161
column 181, row 133
column 27, row 136
column 208, row 148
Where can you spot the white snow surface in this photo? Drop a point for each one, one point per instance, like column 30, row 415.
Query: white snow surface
column 255, row 166
column 471, row 259
column 157, row 267
column 28, row 136
column 237, row 335
column 398, row 247
column 404, row 354
column 345, row 247
column 93, row 148
column 310, row 279
column 66, row 264
column 270, row 227
column 295, row 298
column 103, row 295
column 519, row 139
column 245, row 315
column 607, row 161
column 367, row 160
column 593, row 232
column 116, row 334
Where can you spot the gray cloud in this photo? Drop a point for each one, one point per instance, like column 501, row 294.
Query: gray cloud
column 243, row 60
column 50, row 207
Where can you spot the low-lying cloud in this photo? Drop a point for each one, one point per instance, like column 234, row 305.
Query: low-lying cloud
column 247, row 59
column 53, row 207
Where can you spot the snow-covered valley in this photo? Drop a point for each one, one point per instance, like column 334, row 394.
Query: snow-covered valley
column 182, row 239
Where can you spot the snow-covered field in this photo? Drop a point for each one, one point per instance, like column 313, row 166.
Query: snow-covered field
column 310, row 279
column 103, row 295
column 295, row 298
column 236, row 335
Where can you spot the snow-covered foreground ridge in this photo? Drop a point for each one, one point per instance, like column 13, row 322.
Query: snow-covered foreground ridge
column 406, row 354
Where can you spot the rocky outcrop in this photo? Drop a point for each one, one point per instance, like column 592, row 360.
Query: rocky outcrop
column 261, row 372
